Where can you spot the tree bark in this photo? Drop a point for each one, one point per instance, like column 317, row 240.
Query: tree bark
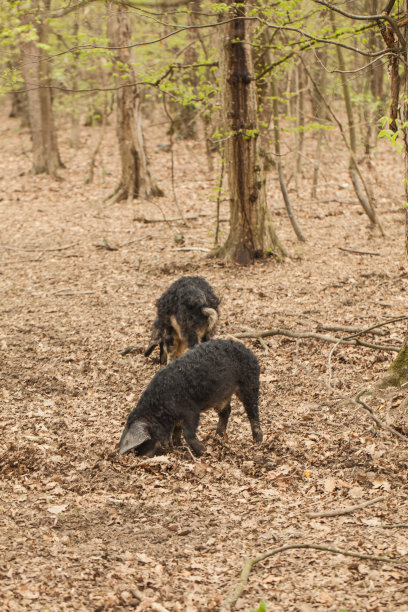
column 135, row 178
column 397, row 373
column 37, row 80
column 251, row 229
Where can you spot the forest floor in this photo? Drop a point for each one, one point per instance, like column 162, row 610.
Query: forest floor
column 85, row 529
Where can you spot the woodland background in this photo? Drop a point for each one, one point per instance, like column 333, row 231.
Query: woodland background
column 97, row 221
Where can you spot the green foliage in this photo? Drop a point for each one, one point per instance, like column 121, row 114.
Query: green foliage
column 261, row 607
column 182, row 64
column 395, row 138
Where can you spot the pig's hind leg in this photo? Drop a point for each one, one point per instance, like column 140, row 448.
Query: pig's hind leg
column 249, row 394
column 223, row 416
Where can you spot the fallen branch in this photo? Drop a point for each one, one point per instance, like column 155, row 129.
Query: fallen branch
column 249, row 563
column 173, row 219
column 291, row 334
column 64, row 292
column 63, row 248
column 347, row 328
column 345, row 510
column 359, row 333
column 191, row 249
column 16, row 261
column 359, row 252
column 357, row 400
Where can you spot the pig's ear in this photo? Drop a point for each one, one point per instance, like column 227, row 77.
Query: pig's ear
column 133, row 436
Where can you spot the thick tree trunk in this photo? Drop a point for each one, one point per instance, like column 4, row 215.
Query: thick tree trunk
column 251, row 230
column 135, row 178
column 397, row 373
column 37, row 79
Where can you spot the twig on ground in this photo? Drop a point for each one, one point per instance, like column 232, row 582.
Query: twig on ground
column 173, row 219
column 229, row 603
column 16, row 261
column 357, row 400
column 354, row 336
column 263, row 344
column 131, row 241
column 191, row 454
column 396, row 526
column 357, row 252
column 64, row 292
column 346, row 328
column 63, row 248
column 191, row 249
column 105, row 245
column 291, row 334
column 231, row 337
column 345, row 510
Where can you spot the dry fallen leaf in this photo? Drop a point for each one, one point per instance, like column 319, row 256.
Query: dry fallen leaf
column 28, row 591
column 329, row 484
column 356, row 492
column 57, row 509
column 381, row 483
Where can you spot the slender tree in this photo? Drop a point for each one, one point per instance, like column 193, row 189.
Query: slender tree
column 135, row 178
column 251, row 229
column 35, row 68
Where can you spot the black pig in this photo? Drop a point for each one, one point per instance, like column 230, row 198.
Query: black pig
column 205, row 377
column 186, row 315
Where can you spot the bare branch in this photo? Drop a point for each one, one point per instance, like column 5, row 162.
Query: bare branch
column 348, row 510
column 291, row 334
column 229, row 604
column 357, row 400
column 380, row 17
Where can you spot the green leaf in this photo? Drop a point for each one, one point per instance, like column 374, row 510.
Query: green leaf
column 261, row 608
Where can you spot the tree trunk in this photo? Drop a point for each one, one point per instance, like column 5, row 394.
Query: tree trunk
column 251, row 230
column 397, row 373
column 135, row 178
column 282, row 183
column 361, row 191
column 37, row 80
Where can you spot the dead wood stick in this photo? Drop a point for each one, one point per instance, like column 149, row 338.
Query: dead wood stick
column 358, row 252
column 357, row 400
column 63, row 292
column 10, row 248
column 229, row 603
column 376, row 326
column 291, row 334
column 345, row 510
column 191, row 249
column 353, row 336
column 396, row 526
column 16, row 261
column 347, row 328
column 131, row 241
column 264, row 345
column 172, row 219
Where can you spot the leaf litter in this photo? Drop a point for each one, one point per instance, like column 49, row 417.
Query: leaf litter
column 81, row 528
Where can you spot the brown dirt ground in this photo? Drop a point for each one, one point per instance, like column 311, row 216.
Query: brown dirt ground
column 81, row 528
